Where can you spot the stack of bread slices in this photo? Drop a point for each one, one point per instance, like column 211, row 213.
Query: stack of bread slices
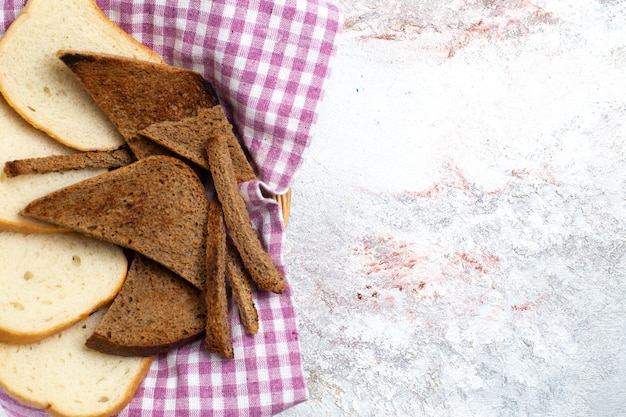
column 113, row 250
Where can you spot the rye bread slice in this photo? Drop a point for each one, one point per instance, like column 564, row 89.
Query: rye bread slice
column 154, row 312
column 156, row 206
column 258, row 262
column 188, row 138
column 58, row 163
column 135, row 94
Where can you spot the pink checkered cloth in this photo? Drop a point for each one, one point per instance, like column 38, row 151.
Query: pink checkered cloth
column 268, row 60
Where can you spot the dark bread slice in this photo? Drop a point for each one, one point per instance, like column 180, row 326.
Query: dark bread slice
column 242, row 291
column 156, row 206
column 258, row 262
column 217, row 337
column 188, row 138
column 154, row 312
column 135, row 94
column 56, row 163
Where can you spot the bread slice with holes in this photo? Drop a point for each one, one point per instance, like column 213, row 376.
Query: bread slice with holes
column 51, row 281
column 156, row 206
column 42, row 89
column 155, row 311
column 67, row 379
column 20, row 140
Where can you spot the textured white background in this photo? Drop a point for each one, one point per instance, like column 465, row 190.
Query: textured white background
column 457, row 234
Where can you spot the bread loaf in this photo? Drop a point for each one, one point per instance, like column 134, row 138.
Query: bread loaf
column 61, row 375
column 42, row 89
column 154, row 312
column 156, row 206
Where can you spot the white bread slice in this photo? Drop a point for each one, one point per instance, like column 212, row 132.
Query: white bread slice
column 61, row 375
column 20, row 140
column 51, row 281
column 42, row 89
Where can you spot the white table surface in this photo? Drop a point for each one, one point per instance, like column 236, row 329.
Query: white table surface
column 456, row 244
column 457, row 235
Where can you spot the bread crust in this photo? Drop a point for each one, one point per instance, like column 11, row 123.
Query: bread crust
column 47, row 286
column 57, row 407
column 242, row 291
column 188, row 138
column 58, row 163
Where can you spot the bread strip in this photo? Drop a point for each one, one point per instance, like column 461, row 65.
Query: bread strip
column 217, row 338
column 260, row 265
column 56, row 163
column 242, row 291
column 135, row 94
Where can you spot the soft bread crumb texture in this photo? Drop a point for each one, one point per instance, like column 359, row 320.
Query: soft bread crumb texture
column 50, row 281
column 64, row 377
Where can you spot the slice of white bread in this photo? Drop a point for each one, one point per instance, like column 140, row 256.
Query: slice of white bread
column 60, row 374
column 42, row 89
column 20, row 140
column 51, row 281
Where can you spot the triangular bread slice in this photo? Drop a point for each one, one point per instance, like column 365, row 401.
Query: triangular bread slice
column 61, row 375
column 42, row 89
column 51, row 281
column 135, row 94
column 154, row 312
column 188, row 138
column 19, row 140
column 156, row 206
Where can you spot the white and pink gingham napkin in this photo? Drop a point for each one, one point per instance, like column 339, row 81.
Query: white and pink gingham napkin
column 268, row 61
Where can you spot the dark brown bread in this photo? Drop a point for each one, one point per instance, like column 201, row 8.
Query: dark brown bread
column 217, row 337
column 188, row 138
column 95, row 159
column 154, row 312
column 156, row 206
column 260, row 265
column 242, row 291
column 135, row 94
